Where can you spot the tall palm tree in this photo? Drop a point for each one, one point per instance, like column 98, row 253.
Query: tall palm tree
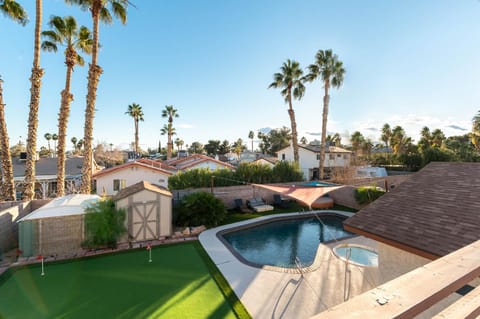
column 54, row 139
column 386, row 134
column 136, row 112
column 168, row 130
column 99, row 10
column 48, row 137
column 438, row 138
column 169, row 112
column 475, row 135
column 65, row 32
column 36, row 83
column 179, row 143
column 251, row 135
column 330, row 70
column 14, row 11
column 74, row 142
column 290, row 80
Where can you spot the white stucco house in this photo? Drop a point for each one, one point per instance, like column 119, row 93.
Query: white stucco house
column 111, row 180
column 309, row 155
column 198, row 161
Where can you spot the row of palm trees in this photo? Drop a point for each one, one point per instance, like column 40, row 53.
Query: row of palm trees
column 327, row 68
column 65, row 33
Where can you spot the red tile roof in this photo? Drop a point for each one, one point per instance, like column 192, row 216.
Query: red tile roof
column 435, row 212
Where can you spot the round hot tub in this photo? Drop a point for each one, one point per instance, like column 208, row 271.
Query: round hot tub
column 357, row 254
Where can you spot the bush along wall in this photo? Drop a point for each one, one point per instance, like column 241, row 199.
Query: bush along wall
column 366, row 195
column 200, row 208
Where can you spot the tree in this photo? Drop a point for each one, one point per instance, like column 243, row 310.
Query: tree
column 169, row 112
column 195, row 148
column 65, row 33
column 200, row 208
column 74, row 142
column 290, row 80
column 438, row 138
column 400, row 142
column 36, row 83
column 224, row 147
column 14, row 11
column 178, row 143
column 386, row 134
column 104, row 224
column 357, row 141
column 212, row 147
column 238, row 147
column 136, row 112
column 475, row 136
column 330, row 70
column 303, row 140
column 54, row 139
column 168, row 130
column 48, row 137
column 251, row 135
column 99, row 11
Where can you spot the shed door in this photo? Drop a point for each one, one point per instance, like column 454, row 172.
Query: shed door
column 144, row 220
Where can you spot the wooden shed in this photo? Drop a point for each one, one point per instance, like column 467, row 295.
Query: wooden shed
column 149, row 211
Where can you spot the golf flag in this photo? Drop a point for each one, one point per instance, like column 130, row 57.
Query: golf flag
column 149, row 247
column 39, row 257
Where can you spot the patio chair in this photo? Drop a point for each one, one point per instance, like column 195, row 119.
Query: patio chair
column 240, row 207
column 278, row 201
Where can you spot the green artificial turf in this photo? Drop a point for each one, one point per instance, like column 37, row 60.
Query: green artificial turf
column 178, row 283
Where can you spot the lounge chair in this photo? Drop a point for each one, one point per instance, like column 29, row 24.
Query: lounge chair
column 258, row 205
column 280, row 202
column 240, row 207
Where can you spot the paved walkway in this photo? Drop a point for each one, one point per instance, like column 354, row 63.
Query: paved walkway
column 267, row 293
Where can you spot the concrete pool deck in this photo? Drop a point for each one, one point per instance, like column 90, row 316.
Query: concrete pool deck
column 267, row 293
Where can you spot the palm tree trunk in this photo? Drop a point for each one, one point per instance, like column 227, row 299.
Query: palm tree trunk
column 293, row 123
column 67, row 97
column 8, row 189
column 169, row 142
column 323, row 145
column 94, row 73
column 136, row 135
column 36, row 80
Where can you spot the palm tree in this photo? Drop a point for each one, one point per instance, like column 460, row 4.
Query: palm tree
column 65, row 32
column 136, row 112
column 330, row 70
column 168, row 130
column 99, row 11
column 438, row 137
column 303, row 140
column 357, row 141
column 251, row 135
column 74, row 142
column 290, row 81
column 178, row 143
column 14, row 11
column 48, row 137
column 475, row 136
column 169, row 112
column 386, row 134
column 36, row 83
column 54, row 139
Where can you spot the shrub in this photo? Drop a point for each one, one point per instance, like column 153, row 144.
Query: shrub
column 200, row 208
column 366, row 195
column 104, row 224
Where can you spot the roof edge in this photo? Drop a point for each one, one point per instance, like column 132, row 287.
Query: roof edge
column 396, row 244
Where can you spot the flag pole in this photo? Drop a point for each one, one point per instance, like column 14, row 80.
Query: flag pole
column 150, row 255
column 43, row 273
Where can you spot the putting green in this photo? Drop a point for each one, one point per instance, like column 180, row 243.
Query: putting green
column 176, row 284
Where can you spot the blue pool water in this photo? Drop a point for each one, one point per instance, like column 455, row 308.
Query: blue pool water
column 318, row 184
column 277, row 243
column 358, row 255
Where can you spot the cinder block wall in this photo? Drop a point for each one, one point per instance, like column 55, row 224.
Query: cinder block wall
column 58, row 235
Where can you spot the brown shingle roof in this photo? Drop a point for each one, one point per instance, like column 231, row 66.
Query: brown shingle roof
column 433, row 213
column 140, row 186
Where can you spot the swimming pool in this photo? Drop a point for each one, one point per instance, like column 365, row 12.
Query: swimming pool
column 318, row 184
column 280, row 241
column 356, row 254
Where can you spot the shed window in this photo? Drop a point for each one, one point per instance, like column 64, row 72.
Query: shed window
column 331, row 156
column 283, row 157
column 119, row 184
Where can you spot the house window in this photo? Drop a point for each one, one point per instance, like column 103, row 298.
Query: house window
column 331, row 156
column 283, row 157
column 339, row 155
column 318, row 157
column 119, row 184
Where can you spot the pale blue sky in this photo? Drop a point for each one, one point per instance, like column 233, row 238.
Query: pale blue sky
column 410, row 63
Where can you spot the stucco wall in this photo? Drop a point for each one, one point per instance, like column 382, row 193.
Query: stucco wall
column 132, row 174
column 393, row 262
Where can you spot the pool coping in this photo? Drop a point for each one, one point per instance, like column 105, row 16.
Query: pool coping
column 278, row 217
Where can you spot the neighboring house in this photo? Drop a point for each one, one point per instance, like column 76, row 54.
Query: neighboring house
column 149, row 211
column 433, row 213
column 270, row 161
column 198, row 161
column 309, row 159
column 111, row 180
column 55, row 228
column 46, row 175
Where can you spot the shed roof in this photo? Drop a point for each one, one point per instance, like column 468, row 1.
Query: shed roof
column 74, row 204
column 140, row 186
column 130, row 164
column 433, row 213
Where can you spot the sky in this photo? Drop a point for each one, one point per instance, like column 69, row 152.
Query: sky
column 408, row 62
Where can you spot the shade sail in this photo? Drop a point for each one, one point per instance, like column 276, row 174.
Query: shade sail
column 304, row 194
